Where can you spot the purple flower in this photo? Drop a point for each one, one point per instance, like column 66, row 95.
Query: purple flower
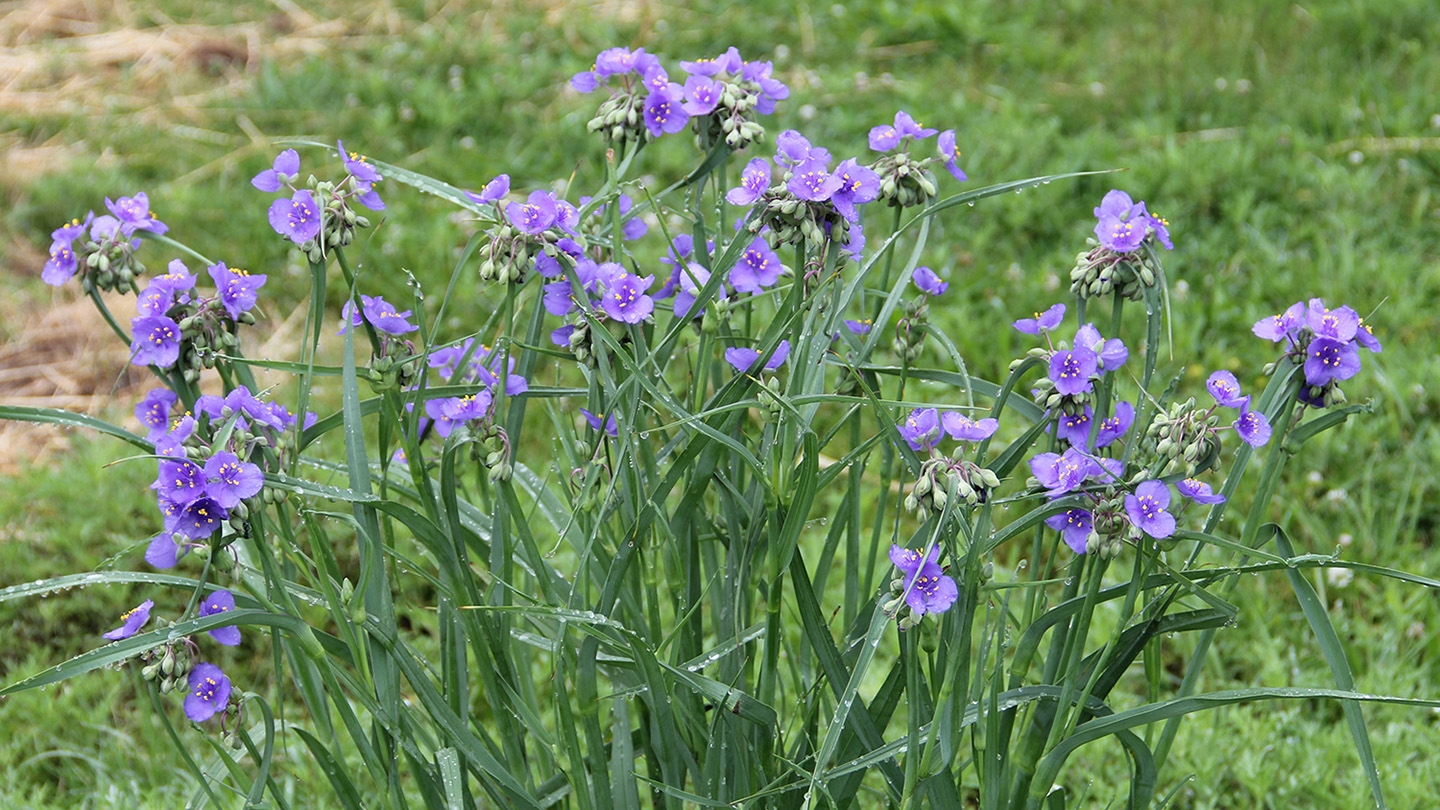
column 1160, row 227
column 585, row 81
column 692, row 279
column 702, row 94
column 162, row 551
column 535, row 214
column 758, row 268
column 1064, row 472
column 357, row 165
column 1075, row 428
column 607, row 424
column 1071, row 370
column 199, row 519
column 238, row 289
column 131, row 621
column 287, row 165
column 379, row 313
column 163, row 291
column 1366, row 337
column 134, row 215
column 1223, row 386
column 209, row 692
column 909, row 128
column 811, row 181
column 921, row 429
column 1253, row 427
column 1198, row 491
column 154, row 412
column 230, row 480
column 1146, row 508
column 1122, row 222
column 928, row 282
column 665, row 110
column 625, row 299
column 617, row 60
column 156, row 341
column 1117, row 425
column 860, row 327
column 180, row 481
column 963, row 428
column 884, row 138
column 447, row 413
column 858, row 185
column 754, row 179
column 927, row 588
column 298, row 217
column 1328, row 360
column 493, row 192
column 221, row 601
column 1074, row 526
column 949, row 153
column 62, row 263
column 1042, row 321
column 743, row 359
column 1340, row 323
column 1280, row 327
column 794, row 149
column 1110, row 354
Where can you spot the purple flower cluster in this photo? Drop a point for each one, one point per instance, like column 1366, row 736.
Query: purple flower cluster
column 207, row 686
column 926, row 588
column 303, row 217
column 1072, row 371
column 379, row 313
column 905, row 130
column 922, row 428
column 1325, row 342
column 105, row 253
column 1251, row 425
column 468, row 363
column 744, row 359
column 1123, row 224
column 172, row 324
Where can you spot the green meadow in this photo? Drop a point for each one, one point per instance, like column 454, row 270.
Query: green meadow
column 1293, row 147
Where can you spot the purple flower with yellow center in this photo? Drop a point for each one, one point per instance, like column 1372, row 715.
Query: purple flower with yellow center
column 1122, row 222
column 131, row 621
column 1280, row 327
column 285, row 170
column 1075, row 428
column 1328, row 360
column 156, row 341
column 154, row 412
column 357, row 165
column 239, row 289
column 1046, row 321
column 702, row 94
column 949, row 154
column 927, row 588
column 180, row 481
column 1072, row 369
column 743, row 358
column 163, row 291
column 493, row 192
column 209, row 692
column 921, row 429
column 1223, row 386
column 928, row 282
column 1060, row 473
column 134, row 215
column 1146, row 508
column 1340, row 323
column 964, row 429
column 811, row 181
column 1160, row 227
column 221, row 601
column 625, row 299
column 1198, row 491
column 535, row 214
column 1253, row 427
column 754, row 179
column 379, row 313
column 1074, row 526
column 886, row 137
column 861, row 327
column 1109, row 354
column 298, row 218
column 489, row 377
column 62, row 263
column 665, row 110
column 198, row 519
column 653, row 76
column 1365, row 336
column 1117, row 425
column 449, row 412
column 229, row 480
column 599, row 423
column 759, row 267
column 858, row 185
column 794, row 149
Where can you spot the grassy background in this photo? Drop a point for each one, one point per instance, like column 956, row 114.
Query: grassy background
column 1294, row 148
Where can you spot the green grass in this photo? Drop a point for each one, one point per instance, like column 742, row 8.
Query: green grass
column 1274, row 140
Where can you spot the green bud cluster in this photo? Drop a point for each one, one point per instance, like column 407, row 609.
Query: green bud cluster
column 109, row 265
column 905, row 181
column 1101, row 271
column 393, row 372
column 971, row 483
column 911, row 329
column 168, row 667
column 491, row 450
column 621, row 118
column 793, row 221
column 1183, row 438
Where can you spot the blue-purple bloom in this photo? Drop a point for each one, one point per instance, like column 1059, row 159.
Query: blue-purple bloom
column 794, row 149
column 379, row 313
column 63, row 263
column 1117, row 425
column 702, row 94
column 131, row 621
column 239, row 289
column 759, row 267
column 298, row 218
column 1280, row 327
column 743, row 358
column 1060, row 473
column 196, row 520
column 1074, row 526
column 180, row 481
column 886, row 137
column 692, row 279
column 1223, row 386
column 963, row 428
column 162, row 551
column 927, row 588
column 928, row 282
column 230, row 480
column 134, row 214
column 1328, row 360
column 493, row 192
column 156, row 341
column 1122, row 222
column 221, row 601
column 1046, row 321
column 287, row 166
column 1252, row 426
column 209, row 692
column 1109, row 354
column 754, row 179
column 154, row 412
column 449, row 412
column 862, row 327
column 858, row 185
column 533, row 216
column 1071, row 370
column 625, row 300
column 1198, row 491
column 1146, row 508
column 921, row 429
column 950, row 154
column 1075, row 428
column 665, row 110
column 606, row 424
column 357, row 165
column 812, row 181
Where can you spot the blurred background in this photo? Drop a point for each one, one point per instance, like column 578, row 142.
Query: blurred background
column 1294, row 148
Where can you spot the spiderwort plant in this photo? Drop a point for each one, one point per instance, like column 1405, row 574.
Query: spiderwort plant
column 709, row 508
